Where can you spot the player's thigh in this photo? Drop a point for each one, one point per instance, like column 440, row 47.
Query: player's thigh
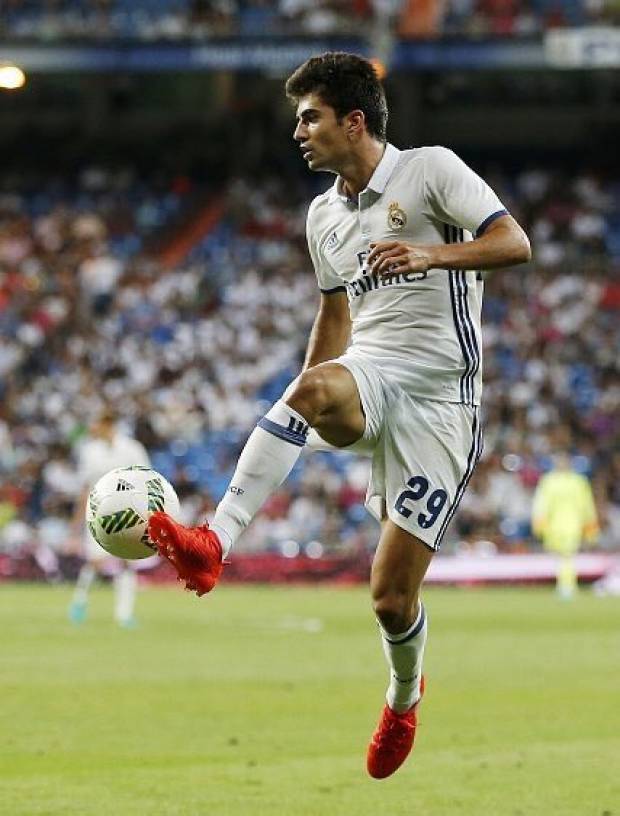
column 428, row 455
column 398, row 569
column 328, row 396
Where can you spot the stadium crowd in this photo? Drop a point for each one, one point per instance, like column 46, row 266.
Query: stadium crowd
column 150, row 20
column 190, row 355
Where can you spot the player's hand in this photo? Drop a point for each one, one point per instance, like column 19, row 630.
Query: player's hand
column 388, row 257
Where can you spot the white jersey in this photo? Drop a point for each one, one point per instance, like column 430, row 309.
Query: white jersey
column 97, row 456
column 422, row 329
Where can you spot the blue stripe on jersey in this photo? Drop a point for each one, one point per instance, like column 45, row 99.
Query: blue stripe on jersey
column 467, row 329
column 477, row 354
column 469, row 326
column 464, row 352
column 469, row 334
column 488, row 221
column 460, row 315
column 288, row 435
column 461, row 290
column 473, row 456
column 335, row 289
column 466, row 325
column 470, row 323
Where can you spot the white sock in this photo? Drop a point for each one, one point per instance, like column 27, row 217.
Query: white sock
column 83, row 583
column 124, row 595
column 404, row 653
column 266, row 460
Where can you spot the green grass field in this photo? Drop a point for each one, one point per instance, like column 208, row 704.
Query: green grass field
column 261, row 701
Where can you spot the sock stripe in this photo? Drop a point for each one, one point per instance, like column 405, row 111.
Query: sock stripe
column 417, row 628
column 287, row 434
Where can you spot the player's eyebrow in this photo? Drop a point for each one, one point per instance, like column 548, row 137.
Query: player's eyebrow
column 307, row 113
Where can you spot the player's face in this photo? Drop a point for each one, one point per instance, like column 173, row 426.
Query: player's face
column 321, row 138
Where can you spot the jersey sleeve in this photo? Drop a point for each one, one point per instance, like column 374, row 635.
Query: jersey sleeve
column 327, row 279
column 457, row 195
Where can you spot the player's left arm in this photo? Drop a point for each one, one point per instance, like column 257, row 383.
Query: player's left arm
column 503, row 243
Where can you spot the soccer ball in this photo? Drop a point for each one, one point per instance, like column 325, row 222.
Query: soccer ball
column 119, row 506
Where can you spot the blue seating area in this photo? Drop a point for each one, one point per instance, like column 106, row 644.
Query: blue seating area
column 187, row 19
column 190, row 357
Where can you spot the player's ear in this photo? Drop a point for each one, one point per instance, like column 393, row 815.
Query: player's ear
column 355, row 123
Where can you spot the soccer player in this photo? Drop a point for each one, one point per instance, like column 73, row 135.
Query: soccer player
column 563, row 517
column 393, row 365
column 104, row 449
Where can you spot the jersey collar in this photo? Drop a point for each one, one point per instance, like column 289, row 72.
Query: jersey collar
column 378, row 180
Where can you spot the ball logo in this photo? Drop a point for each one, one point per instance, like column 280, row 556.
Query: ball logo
column 397, row 217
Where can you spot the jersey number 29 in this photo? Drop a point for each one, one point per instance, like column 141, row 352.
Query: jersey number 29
column 434, row 504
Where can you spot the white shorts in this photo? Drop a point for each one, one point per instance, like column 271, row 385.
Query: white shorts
column 423, row 452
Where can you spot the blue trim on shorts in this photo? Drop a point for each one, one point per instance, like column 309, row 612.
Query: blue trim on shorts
column 472, row 458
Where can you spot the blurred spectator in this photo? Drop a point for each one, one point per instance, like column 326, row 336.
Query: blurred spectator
column 98, row 275
column 192, row 355
column 421, row 19
column 104, row 448
column 182, row 19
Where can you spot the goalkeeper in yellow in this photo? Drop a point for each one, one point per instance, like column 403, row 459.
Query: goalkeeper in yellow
column 563, row 518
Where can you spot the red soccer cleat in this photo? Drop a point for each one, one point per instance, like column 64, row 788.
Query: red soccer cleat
column 393, row 740
column 194, row 552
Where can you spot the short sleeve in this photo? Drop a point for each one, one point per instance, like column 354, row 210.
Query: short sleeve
column 327, row 279
column 457, row 195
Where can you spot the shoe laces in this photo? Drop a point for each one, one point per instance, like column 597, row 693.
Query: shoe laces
column 394, row 731
column 199, row 537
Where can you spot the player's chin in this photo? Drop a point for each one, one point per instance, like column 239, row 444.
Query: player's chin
column 314, row 163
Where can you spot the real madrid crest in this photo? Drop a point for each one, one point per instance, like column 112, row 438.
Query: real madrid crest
column 397, row 217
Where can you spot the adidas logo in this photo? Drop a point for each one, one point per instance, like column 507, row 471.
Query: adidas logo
column 123, row 485
column 296, row 426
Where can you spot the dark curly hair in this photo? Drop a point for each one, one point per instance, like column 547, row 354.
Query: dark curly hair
column 345, row 82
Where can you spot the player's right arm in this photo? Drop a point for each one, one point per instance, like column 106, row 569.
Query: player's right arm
column 331, row 329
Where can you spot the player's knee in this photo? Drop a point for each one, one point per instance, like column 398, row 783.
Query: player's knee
column 394, row 611
column 313, row 393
